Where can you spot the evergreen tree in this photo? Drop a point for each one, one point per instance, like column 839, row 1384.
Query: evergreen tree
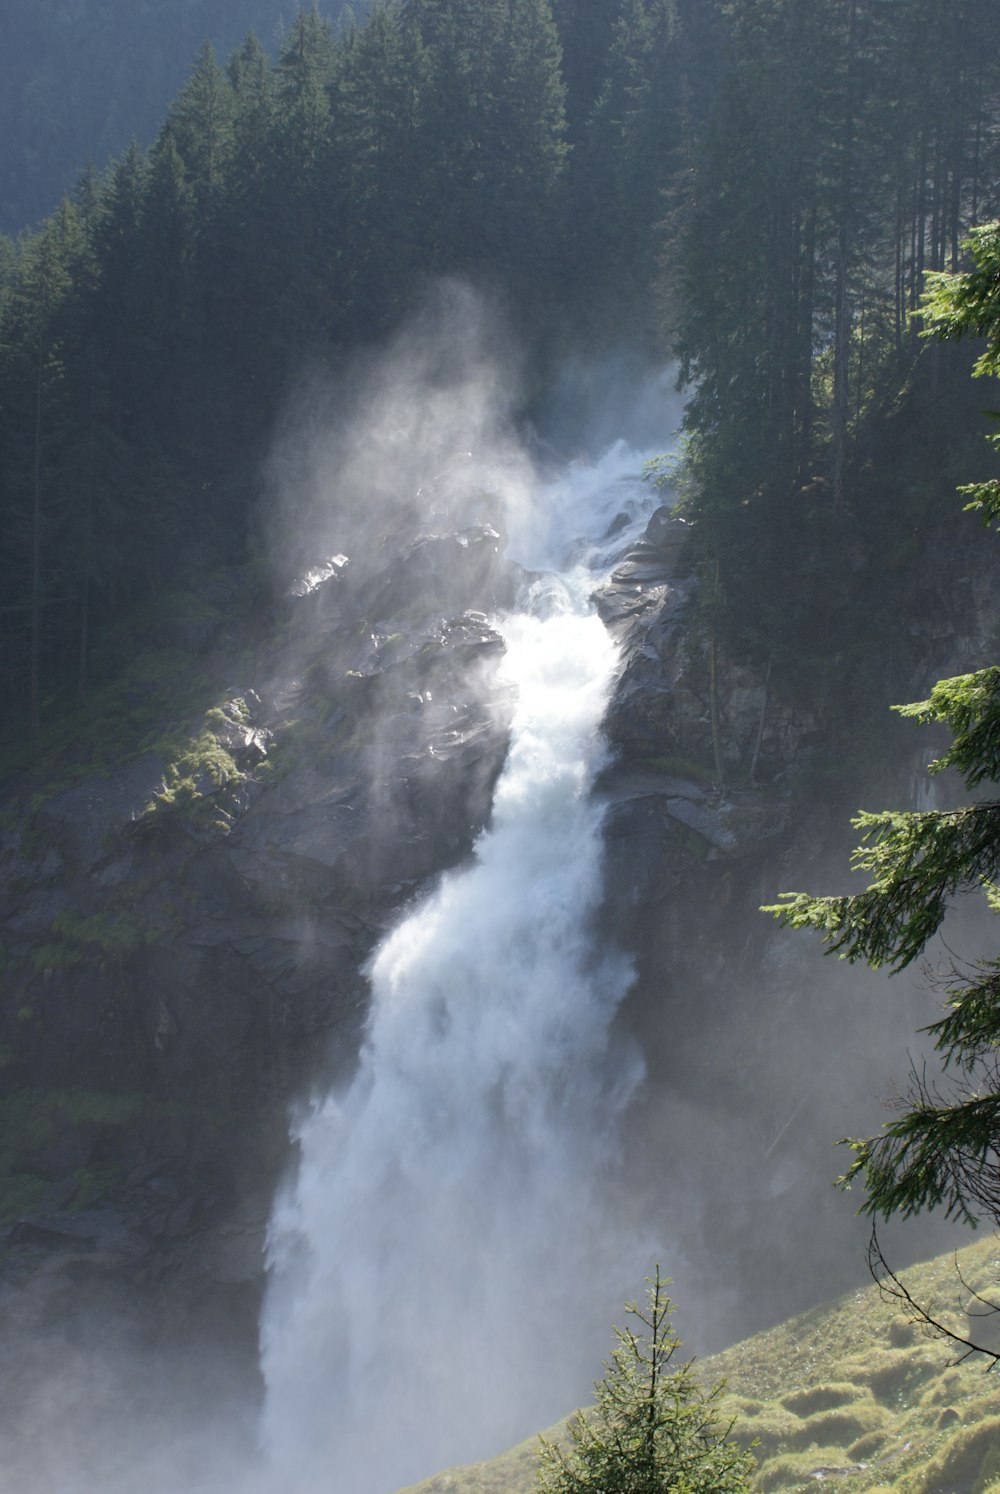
column 585, row 35
column 119, row 297
column 33, row 413
column 380, row 98
column 742, row 297
column 247, row 295
column 629, row 155
column 170, row 325
column 307, row 199
column 201, row 123
column 493, row 135
column 524, row 149
column 170, row 221
column 305, row 72
column 943, row 1147
column 652, row 1428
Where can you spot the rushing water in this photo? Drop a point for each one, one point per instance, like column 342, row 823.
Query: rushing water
column 443, row 1266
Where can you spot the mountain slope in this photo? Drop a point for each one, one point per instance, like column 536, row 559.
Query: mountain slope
column 850, row 1393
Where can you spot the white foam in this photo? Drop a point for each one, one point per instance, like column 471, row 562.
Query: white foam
column 435, row 1261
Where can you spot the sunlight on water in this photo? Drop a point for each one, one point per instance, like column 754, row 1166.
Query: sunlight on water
column 450, row 1216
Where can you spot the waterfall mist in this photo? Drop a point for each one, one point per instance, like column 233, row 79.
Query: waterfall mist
column 449, row 1254
column 421, row 431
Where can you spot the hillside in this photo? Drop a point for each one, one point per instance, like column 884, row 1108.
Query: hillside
column 851, row 1394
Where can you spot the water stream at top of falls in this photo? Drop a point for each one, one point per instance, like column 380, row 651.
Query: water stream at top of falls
column 445, row 1262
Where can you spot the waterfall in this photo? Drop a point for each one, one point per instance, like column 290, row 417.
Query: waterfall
column 446, row 1260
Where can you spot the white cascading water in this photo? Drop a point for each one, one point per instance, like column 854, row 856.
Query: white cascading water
column 446, row 1264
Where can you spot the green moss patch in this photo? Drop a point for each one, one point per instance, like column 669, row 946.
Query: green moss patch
column 820, row 1398
column 113, row 724
column 771, row 1427
column 896, row 1377
column 202, row 775
column 32, row 1119
column 871, row 1445
column 970, row 1460
column 805, row 1470
column 841, row 1427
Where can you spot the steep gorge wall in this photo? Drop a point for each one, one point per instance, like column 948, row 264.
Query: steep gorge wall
column 762, row 1055
column 185, row 940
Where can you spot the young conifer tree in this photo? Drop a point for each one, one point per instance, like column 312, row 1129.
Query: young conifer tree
column 652, row 1428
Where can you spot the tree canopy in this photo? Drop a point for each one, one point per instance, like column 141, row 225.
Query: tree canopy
column 849, row 150
column 758, row 188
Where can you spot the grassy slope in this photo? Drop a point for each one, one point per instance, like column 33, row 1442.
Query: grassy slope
column 850, row 1395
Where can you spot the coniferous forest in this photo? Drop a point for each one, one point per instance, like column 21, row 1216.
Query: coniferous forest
column 758, row 188
column 225, row 788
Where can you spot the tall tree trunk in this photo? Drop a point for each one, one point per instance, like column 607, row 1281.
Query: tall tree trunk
column 713, row 684
column 34, row 685
column 807, row 312
column 87, row 548
column 842, row 307
column 899, row 282
column 762, row 721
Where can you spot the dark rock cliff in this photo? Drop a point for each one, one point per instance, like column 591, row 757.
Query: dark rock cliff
column 761, row 1055
column 184, row 938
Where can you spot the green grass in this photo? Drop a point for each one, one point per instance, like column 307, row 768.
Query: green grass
column 849, row 1395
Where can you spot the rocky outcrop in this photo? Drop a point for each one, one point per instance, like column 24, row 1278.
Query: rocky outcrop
column 184, row 936
column 661, row 715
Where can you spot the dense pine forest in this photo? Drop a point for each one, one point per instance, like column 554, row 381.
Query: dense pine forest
column 756, row 188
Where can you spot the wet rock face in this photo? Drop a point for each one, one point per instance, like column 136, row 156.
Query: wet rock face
column 185, row 938
column 661, row 712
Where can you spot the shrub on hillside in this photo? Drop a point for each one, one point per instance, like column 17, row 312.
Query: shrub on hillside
column 653, row 1428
